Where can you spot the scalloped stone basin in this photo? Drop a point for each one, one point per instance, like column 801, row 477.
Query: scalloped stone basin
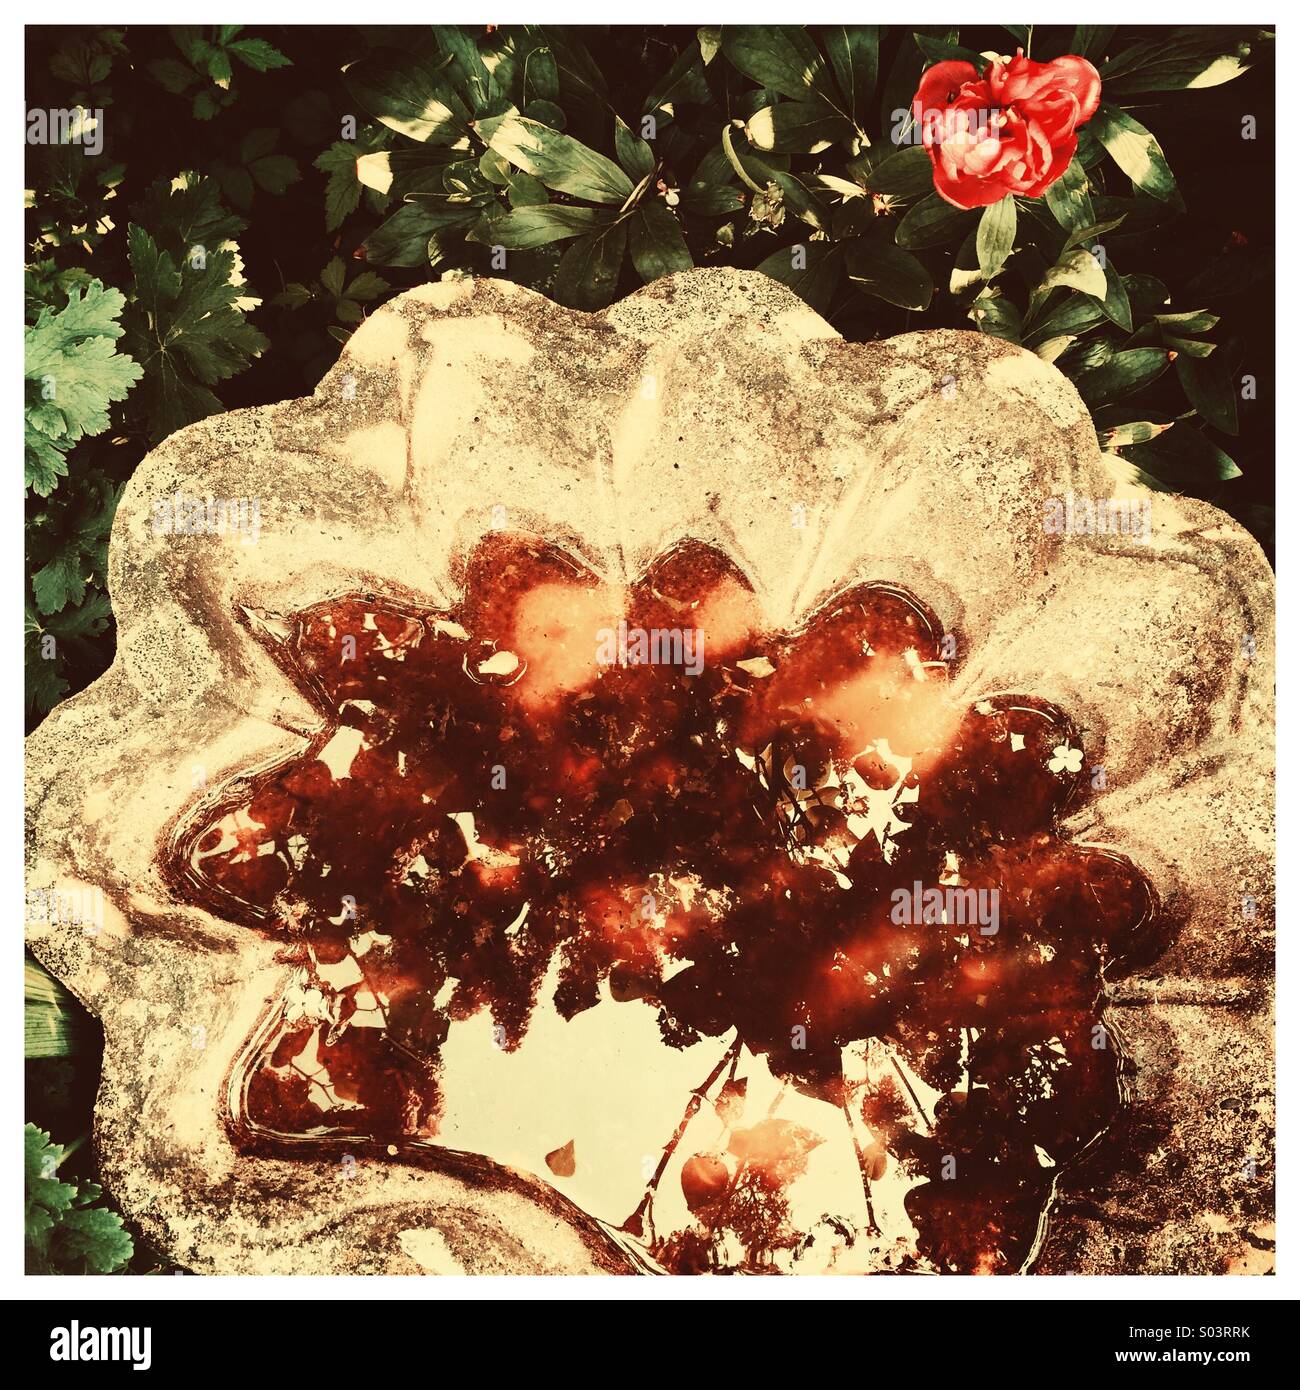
column 656, row 796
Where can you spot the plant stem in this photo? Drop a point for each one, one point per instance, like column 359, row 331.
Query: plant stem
column 634, row 1223
column 872, row 1227
column 902, row 1076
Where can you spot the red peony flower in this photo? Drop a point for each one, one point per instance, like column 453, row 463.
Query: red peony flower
column 1011, row 131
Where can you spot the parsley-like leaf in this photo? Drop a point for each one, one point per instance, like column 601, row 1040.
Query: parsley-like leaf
column 65, row 1233
column 185, row 214
column 73, row 372
column 187, row 330
column 47, row 1198
column 94, row 1237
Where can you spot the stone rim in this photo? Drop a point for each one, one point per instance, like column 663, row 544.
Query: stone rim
column 1193, row 818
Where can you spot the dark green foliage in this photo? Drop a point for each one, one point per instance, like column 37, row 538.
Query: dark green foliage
column 65, row 1232
column 342, row 165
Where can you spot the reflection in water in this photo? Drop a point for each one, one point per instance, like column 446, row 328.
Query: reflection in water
column 685, row 939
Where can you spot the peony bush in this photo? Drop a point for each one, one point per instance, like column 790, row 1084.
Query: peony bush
column 245, row 198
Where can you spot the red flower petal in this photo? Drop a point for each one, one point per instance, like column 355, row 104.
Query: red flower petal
column 938, row 84
column 965, row 192
column 1078, row 77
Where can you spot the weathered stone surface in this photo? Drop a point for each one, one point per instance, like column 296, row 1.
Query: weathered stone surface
column 709, row 405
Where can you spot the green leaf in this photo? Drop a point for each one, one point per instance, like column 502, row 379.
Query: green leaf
column 75, row 649
column 932, row 221
column 171, row 74
column 941, row 51
column 526, row 227
column 1116, row 304
column 187, row 331
column 711, row 193
column 1193, row 347
column 46, row 1199
column 1079, row 270
column 1124, row 373
column 579, row 71
column 510, row 54
column 403, row 240
column 878, row 267
column 45, row 687
column 1196, row 57
column 1089, row 41
column 904, row 174
column 525, row 191
column 44, row 463
column 559, row 161
column 545, row 113
column 1089, row 235
column 435, row 171
column 258, row 54
column 219, row 67
column 965, row 273
column 1184, row 458
column 751, row 171
column 587, row 275
column 1196, row 321
column 1136, row 151
column 67, row 547
column 1207, row 383
column 49, row 1014
column 60, row 582
column 1073, row 316
column 367, row 286
column 801, row 200
column 995, row 314
column 656, row 243
column 185, row 214
column 236, row 183
column 996, row 236
column 206, row 104
column 854, row 51
column 471, row 78
column 541, row 81
column 408, row 95
column 634, row 154
column 1135, row 432
column 846, row 189
column 73, row 372
column 793, row 127
column 94, row 1238
column 1148, row 295
column 273, row 173
column 189, row 39
column 1090, row 152
column 814, row 276
column 1069, row 199
column 343, row 188
column 494, row 168
column 683, row 84
column 333, row 275
column 780, row 57
column 63, row 1232
column 904, row 75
